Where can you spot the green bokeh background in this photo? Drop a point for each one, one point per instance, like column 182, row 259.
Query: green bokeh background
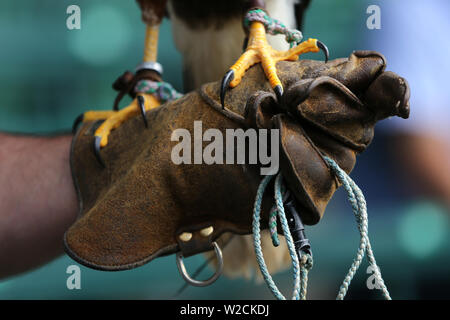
column 50, row 74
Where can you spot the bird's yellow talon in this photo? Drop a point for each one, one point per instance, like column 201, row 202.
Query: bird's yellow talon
column 113, row 119
column 103, row 140
column 309, row 45
column 97, row 115
column 259, row 51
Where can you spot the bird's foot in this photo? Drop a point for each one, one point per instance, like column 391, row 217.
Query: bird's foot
column 113, row 119
column 259, row 50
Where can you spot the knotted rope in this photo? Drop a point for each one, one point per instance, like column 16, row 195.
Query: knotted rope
column 273, row 26
column 162, row 90
column 302, row 266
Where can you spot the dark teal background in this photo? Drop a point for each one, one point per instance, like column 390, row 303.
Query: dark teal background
column 50, row 74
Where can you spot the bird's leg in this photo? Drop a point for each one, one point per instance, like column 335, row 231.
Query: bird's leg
column 145, row 85
column 113, row 119
column 142, row 85
column 259, row 50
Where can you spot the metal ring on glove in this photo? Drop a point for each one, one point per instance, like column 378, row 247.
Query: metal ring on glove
column 201, row 283
column 155, row 66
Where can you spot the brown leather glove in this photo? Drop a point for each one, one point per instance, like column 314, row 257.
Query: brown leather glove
column 136, row 208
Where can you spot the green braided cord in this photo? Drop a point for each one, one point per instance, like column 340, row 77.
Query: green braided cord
column 273, row 228
column 273, row 223
column 258, row 250
column 359, row 207
column 163, row 90
column 279, row 185
column 305, row 260
column 273, row 26
column 306, row 264
column 300, row 265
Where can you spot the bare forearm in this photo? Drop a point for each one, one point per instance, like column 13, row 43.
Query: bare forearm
column 37, row 200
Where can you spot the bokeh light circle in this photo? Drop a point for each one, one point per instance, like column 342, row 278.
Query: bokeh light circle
column 422, row 229
column 103, row 37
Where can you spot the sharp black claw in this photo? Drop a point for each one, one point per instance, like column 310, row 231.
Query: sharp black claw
column 97, row 150
column 77, row 121
column 324, row 48
column 229, row 76
column 141, row 103
column 279, row 92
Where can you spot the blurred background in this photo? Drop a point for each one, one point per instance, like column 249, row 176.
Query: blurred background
column 50, row 74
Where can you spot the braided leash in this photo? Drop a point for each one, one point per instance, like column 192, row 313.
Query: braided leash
column 306, row 264
column 301, row 265
column 359, row 207
column 273, row 26
column 163, row 90
column 273, row 221
column 305, row 260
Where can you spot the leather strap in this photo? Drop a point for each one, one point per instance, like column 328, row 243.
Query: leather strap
column 126, row 83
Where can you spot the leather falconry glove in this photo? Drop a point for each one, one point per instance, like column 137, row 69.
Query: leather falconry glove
column 141, row 205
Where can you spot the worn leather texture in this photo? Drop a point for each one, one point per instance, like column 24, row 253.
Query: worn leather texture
column 133, row 210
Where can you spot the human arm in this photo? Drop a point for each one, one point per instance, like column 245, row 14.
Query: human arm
column 37, row 200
